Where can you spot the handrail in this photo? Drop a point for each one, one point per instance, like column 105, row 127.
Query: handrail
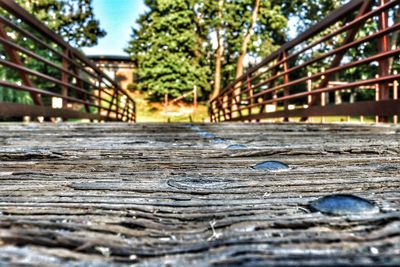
column 295, row 79
column 74, row 78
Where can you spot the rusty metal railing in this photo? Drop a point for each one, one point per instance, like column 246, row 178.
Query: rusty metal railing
column 351, row 56
column 58, row 79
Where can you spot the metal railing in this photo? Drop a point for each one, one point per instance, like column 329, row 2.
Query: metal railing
column 59, row 80
column 350, row 56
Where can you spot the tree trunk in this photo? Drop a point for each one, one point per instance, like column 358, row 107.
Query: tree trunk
column 218, row 52
column 246, row 39
column 243, row 52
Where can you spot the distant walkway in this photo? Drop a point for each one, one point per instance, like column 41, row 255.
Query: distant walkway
column 176, row 195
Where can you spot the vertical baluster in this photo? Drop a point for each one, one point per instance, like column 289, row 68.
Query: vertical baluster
column 395, row 95
column 285, row 81
column 99, row 95
column 249, row 94
column 383, row 46
column 64, row 78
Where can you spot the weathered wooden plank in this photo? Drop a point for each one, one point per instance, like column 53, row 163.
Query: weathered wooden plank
column 161, row 194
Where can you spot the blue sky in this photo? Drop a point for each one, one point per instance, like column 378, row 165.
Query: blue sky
column 117, row 17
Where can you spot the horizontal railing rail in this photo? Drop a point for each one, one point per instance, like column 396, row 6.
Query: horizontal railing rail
column 54, row 79
column 345, row 65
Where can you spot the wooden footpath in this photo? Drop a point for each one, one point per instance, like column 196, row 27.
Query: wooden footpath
column 119, row 194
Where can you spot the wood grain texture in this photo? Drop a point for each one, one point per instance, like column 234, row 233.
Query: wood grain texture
column 159, row 194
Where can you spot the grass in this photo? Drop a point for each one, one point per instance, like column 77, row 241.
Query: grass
column 147, row 111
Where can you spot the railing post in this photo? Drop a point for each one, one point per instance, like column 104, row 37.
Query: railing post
column 377, row 96
column 128, row 115
column 99, row 96
column 236, row 99
column 323, row 95
column 309, row 89
column 285, row 81
column 64, row 77
column 323, row 103
column 226, row 102
column 211, row 112
column 117, row 102
column 383, row 46
column 249, row 93
column 133, row 111
column 395, row 95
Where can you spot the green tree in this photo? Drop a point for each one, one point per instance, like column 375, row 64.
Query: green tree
column 306, row 13
column 202, row 35
column 247, row 28
column 168, row 49
column 72, row 19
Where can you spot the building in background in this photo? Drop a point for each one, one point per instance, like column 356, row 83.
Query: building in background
column 119, row 68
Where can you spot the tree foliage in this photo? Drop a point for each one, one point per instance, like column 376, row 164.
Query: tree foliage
column 269, row 32
column 167, row 49
column 307, row 12
column 72, row 19
column 175, row 43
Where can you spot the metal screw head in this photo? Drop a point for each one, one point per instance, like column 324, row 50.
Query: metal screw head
column 271, row 165
column 343, row 204
column 236, row 146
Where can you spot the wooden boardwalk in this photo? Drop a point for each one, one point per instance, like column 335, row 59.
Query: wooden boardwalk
column 172, row 195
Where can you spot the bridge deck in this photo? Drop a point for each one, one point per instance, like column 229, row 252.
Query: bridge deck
column 118, row 194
